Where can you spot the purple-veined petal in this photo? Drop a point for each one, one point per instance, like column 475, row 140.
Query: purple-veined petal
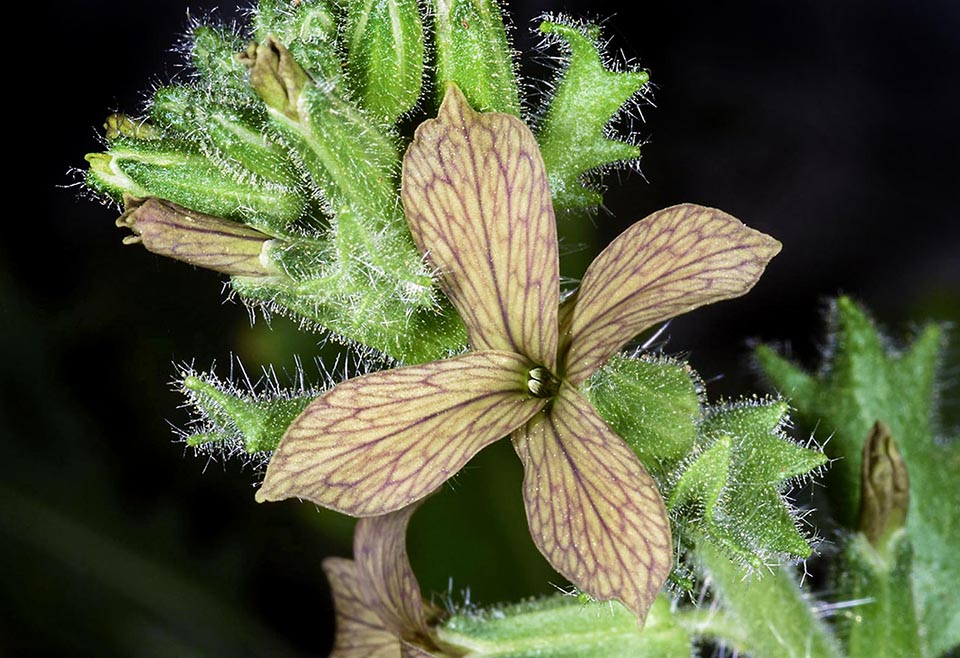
column 360, row 633
column 376, row 443
column 594, row 511
column 476, row 197
column 384, row 576
column 669, row 263
column 408, row 650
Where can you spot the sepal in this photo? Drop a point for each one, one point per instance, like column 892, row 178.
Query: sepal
column 575, row 136
column 653, row 403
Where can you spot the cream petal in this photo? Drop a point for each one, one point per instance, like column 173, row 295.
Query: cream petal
column 377, row 443
column 666, row 264
column 476, row 197
column 360, row 633
column 593, row 510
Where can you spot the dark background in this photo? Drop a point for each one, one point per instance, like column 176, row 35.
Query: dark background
column 832, row 126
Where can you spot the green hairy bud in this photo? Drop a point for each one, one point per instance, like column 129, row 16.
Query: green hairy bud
column 472, row 50
column 308, row 28
column 181, row 174
column 213, row 53
column 385, row 53
column 234, row 137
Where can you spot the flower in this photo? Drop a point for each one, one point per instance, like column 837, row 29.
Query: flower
column 477, row 200
column 380, row 610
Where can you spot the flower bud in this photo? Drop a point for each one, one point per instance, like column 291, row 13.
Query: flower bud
column 473, row 51
column 385, row 44
column 180, row 172
column 212, row 53
column 192, row 237
column 276, row 77
column 236, row 138
column 121, row 125
column 308, row 28
column 884, row 486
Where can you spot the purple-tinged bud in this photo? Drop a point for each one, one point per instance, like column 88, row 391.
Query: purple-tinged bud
column 884, row 486
column 192, row 237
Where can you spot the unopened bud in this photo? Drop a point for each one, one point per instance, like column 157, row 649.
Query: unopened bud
column 121, row 125
column 884, row 486
column 192, row 237
column 386, row 55
column 275, row 75
column 472, row 50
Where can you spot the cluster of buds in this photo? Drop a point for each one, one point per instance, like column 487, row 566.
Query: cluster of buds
column 283, row 166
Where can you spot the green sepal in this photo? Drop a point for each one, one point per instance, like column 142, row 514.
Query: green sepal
column 308, row 28
column 574, row 136
column 472, row 50
column 213, row 52
column 565, row 627
column 385, row 55
column 653, row 403
column 731, row 490
column 884, row 623
column 230, row 420
column 178, row 172
column 704, row 480
column 233, row 137
column 865, row 379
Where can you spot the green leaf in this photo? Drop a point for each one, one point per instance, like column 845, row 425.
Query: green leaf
column 575, row 136
column 865, row 379
column 731, row 492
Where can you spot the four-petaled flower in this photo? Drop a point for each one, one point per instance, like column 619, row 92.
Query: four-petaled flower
column 476, row 196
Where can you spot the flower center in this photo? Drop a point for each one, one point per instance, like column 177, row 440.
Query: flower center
column 541, row 383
